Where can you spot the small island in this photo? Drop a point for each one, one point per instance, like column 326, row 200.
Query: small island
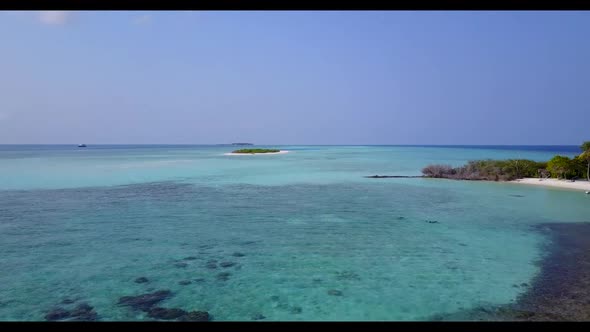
column 256, row 152
column 560, row 171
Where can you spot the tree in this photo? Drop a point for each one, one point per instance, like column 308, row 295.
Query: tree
column 559, row 165
column 516, row 164
column 586, row 156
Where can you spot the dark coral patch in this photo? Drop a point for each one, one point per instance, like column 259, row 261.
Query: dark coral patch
column 144, row 302
column 165, row 313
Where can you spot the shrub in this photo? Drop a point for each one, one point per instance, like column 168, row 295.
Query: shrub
column 438, row 171
column 490, row 170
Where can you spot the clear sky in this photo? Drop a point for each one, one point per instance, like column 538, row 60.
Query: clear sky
column 339, row 77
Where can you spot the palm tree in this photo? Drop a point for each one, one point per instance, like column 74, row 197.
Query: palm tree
column 586, row 156
column 515, row 164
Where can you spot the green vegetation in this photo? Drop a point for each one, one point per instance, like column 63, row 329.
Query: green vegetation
column 585, row 157
column 490, row 170
column 559, row 165
column 507, row 170
column 256, row 151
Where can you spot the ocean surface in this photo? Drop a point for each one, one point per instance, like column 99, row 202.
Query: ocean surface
column 310, row 238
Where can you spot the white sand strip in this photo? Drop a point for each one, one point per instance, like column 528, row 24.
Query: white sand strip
column 566, row 184
column 252, row 154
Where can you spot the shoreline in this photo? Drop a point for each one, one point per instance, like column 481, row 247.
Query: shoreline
column 583, row 185
column 254, row 154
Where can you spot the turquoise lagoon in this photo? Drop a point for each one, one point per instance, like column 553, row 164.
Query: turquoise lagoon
column 85, row 223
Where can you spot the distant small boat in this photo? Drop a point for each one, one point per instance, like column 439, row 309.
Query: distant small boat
column 588, row 193
column 81, row 145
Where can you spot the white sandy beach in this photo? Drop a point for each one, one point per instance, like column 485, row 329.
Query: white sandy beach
column 566, row 184
column 250, row 154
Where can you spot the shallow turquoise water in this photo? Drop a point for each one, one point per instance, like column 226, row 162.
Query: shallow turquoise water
column 84, row 223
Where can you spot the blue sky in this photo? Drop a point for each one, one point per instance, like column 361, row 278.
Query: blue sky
column 340, row 77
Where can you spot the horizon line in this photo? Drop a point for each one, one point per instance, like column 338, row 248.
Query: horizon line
column 264, row 144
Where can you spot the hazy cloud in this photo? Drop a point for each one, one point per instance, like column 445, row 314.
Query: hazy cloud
column 143, row 19
column 54, row 17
